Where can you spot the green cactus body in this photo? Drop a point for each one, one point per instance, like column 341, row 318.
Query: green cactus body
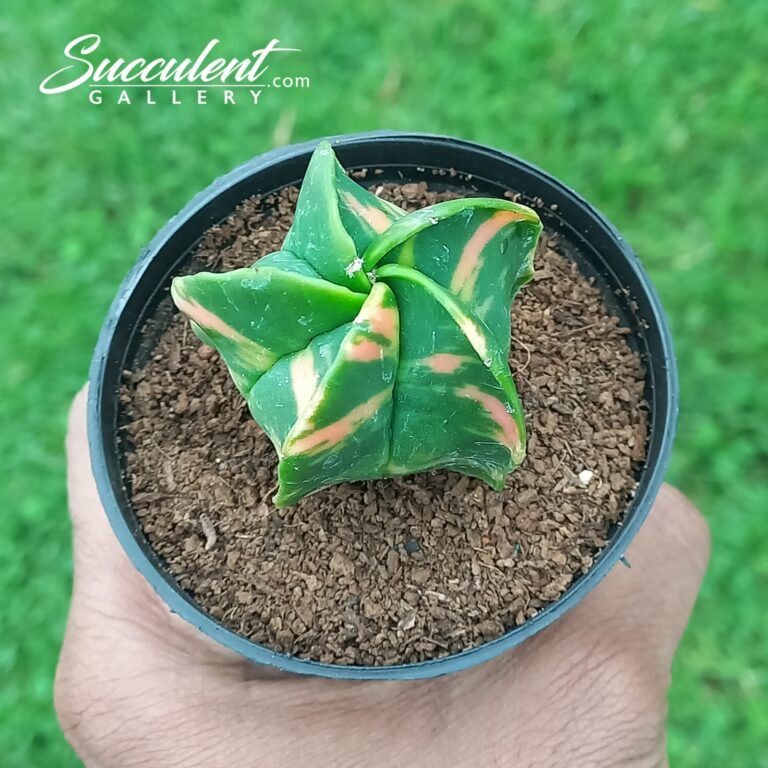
column 376, row 342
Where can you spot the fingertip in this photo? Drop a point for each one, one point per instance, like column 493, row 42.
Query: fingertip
column 84, row 502
column 76, row 418
column 652, row 601
column 685, row 523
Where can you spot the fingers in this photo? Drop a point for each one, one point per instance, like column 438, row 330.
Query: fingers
column 655, row 595
column 97, row 553
column 88, row 518
column 619, row 643
column 597, row 679
column 106, row 582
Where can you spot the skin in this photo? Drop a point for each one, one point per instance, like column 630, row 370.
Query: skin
column 137, row 686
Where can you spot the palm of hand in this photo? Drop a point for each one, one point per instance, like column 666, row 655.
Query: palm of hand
column 136, row 686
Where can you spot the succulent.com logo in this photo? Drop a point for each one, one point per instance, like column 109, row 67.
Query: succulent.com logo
column 172, row 81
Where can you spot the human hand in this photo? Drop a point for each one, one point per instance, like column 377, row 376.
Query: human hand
column 137, row 686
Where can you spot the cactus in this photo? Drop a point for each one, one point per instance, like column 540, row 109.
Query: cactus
column 375, row 343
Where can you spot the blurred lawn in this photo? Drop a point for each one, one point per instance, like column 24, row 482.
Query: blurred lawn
column 654, row 111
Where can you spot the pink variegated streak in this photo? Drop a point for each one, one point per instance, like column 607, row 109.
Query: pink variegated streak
column 381, row 320
column 377, row 220
column 208, row 321
column 469, row 266
column 509, row 434
column 444, row 362
column 364, row 351
column 326, row 437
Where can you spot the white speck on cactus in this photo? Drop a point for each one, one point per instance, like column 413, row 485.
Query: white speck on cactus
column 354, row 267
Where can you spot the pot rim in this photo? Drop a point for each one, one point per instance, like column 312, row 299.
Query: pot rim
column 664, row 419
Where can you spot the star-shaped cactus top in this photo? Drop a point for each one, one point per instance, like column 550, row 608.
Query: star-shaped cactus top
column 375, row 343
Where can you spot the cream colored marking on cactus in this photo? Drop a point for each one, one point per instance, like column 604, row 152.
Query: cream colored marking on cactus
column 326, row 437
column 397, row 469
column 252, row 355
column 483, row 309
column 497, row 411
column 304, row 379
column 474, row 336
column 467, row 270
column 376, row 219
column 444, row 362
column 407, row 255
column 252, row 351
column 364, row 351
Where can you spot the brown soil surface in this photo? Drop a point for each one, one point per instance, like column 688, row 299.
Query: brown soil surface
column 391, row 571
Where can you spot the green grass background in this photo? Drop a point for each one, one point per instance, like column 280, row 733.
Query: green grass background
column 655, row 111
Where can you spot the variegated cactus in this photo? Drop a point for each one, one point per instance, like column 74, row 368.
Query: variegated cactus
column 375, row 343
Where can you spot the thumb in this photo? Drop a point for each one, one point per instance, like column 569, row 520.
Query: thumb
column 642, row 610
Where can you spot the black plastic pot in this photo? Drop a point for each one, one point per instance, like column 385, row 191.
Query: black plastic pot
column 600, row 250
